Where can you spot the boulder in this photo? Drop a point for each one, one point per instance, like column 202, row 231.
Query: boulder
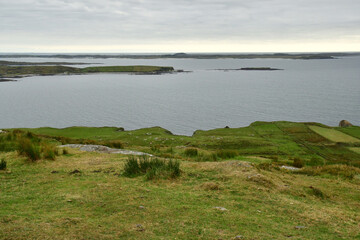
column 344, row 123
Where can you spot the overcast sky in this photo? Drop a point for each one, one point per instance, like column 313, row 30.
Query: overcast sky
column 179, row 25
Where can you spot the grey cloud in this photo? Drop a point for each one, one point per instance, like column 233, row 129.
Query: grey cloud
column 139, row 21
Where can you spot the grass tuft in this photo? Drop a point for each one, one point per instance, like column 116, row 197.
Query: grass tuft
column 191, row 152
column 151, row 168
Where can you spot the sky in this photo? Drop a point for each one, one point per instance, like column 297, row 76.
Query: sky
column 150, row 26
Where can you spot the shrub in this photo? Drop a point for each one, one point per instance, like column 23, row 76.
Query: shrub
column 28, row 149
column 191, row 152
column 151, row 168
column 2, row 164
column 226, row 153
column 298, row 163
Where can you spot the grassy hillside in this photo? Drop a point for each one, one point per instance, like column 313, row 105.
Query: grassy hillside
column 231, row 185
column 281, row 141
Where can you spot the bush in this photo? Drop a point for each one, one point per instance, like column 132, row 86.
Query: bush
column 191, row 152
column 2, row 164
column 151, row 168
column 28, row 149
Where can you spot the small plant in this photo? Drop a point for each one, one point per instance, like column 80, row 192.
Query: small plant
column 191, row 152
column 2, row 164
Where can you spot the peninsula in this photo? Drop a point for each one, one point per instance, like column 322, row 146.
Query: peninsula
column 7, row 71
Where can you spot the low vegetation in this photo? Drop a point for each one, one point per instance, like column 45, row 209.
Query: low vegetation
column 152, row 168
column 216, row 184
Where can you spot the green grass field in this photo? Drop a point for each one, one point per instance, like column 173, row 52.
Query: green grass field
column 232, row 185
column 334, row 135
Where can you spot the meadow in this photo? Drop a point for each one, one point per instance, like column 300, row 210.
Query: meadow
column 224, row 183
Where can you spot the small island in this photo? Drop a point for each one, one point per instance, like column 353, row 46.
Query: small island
column 250, row 69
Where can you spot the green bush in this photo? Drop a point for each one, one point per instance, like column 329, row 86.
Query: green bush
column 151, row 168
column 191, row 152
column 2, row 164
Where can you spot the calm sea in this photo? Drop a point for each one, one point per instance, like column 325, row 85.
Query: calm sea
column 325, row 91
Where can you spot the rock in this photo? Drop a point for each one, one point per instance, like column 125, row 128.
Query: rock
column 290, row 168
column 300, row 227
column 140, row 228
column 344, row 123
column 104, row 149
column 75, row 172
column 141, row 207
column 239, row 237
column 221, row 208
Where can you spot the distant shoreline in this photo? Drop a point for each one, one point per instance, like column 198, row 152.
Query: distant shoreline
column 301, row 56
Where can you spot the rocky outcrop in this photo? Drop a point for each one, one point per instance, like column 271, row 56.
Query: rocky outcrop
column 344, row 123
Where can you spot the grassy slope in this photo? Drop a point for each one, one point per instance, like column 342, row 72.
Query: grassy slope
column 100, row 204
column 282, row 140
